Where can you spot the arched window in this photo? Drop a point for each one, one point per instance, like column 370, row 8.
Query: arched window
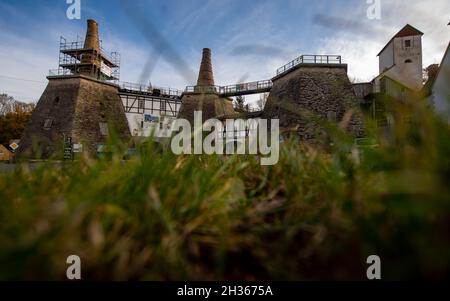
column 408, row 61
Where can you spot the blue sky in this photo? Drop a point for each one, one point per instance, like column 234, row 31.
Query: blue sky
column 249, row 38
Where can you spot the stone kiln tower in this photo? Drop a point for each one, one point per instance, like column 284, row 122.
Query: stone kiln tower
column 205, row 95
column 91, row 61
column 205, row 75
column 79, row 106
column 308, row 91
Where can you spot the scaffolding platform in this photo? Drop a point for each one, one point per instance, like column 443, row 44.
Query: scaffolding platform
column 71, row 61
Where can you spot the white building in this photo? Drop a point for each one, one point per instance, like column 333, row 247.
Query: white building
column 440, row 90
column 401, row 59
column 149, row 111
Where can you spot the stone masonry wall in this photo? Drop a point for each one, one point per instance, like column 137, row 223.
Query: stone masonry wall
column 211, row 106
column 76, row 107
column 57, row 104
column 303, row 97
column 98, row 103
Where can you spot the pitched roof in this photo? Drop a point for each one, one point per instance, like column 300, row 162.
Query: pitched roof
column 406, row 31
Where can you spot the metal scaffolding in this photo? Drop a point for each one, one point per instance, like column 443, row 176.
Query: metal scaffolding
column 70, row 61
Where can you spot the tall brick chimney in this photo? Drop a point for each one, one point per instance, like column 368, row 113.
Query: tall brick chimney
column 92, row 41
column 205, row 76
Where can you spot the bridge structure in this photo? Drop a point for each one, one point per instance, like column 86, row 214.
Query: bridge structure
column 139, row 99
column 234, row 90
column 265, row 86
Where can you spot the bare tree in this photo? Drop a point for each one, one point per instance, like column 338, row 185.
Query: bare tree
column 8, row 105
column 261, row 102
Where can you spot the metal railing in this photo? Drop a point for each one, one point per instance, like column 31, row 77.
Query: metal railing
column 203, row 89
column 150, row 89
column 61, row 71
column 253, row 109
column 253, row 86
column 310, row 59
column 64, row 45
column 230, row 89
column 65, row 71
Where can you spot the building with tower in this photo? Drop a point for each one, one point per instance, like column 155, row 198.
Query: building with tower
column 401, row 59
column 80, row 104
column 400, row 79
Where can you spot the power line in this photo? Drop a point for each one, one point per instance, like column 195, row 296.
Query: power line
column 22, row 79
column 18, row 95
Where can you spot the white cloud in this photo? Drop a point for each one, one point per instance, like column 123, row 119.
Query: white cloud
column 248, row 45
column 27, row 60
column 359, row 46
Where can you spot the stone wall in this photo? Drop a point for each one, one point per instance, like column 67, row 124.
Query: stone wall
column 211, row 105
column 98, row 103
column 73, row 106
column 304, row 97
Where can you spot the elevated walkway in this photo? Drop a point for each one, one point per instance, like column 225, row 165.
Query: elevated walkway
column 140, row 99
column 233, row 90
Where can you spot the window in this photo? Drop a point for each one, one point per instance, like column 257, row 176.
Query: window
column 407, row 43
column 48, row 124
column 141, row 103
column 151, row 118
column 408, row 61
column 331, row 116
column 103, row 128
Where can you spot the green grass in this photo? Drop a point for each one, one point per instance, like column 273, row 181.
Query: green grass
column 315, row 215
